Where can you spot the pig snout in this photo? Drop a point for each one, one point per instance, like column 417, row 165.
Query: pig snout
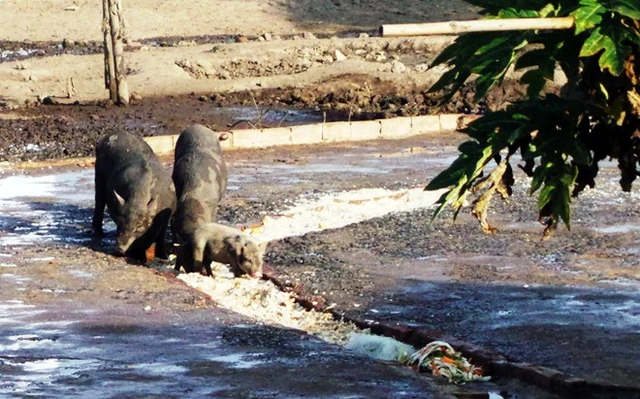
column 256, row 274
column 123, row 243
column 253, row 271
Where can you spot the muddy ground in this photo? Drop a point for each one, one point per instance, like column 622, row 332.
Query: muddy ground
column 63, row 131
column 570, row 303
column 532, row 301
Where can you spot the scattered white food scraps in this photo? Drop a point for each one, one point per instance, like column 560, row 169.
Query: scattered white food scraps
column 443, row 360
column 263, row 301
column 338, row 209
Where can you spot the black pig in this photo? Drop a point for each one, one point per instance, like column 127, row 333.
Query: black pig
column 137, row 190
column 200, row 178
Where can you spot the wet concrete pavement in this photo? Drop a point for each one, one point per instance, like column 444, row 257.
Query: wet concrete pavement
column 123, row 330
column 58, row 351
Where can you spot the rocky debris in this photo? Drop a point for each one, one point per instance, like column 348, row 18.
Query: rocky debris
column 398, row 67
column 241, row 39
column 339, row 55
column 198, row 70
column 187, row 43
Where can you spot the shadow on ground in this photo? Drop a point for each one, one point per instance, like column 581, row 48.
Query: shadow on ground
column 97, row 355
column 566, row 328
column 369, row 15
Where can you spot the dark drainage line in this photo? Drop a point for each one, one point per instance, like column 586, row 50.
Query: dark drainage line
column 493, row 363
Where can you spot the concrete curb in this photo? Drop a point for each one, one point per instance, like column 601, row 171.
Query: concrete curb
column 332, row 132
column 317, row 133
column 494, row 364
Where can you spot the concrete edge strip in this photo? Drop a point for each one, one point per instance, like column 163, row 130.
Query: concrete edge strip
column 316, row 133
column 329, row 132
column 493, row 363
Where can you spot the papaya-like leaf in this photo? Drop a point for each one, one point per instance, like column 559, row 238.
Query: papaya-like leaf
column 609, row 40
column 462, row 166
column 487, row 55
column 560, row 137
column 627, row 8
column 539, row 175
column 515, row 13
column 545, row 195
column 579, row 152
column 588, row 15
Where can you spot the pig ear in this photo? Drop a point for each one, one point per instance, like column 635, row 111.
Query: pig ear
column 262, row 246
column 231, row 243
column 229, row 246
column 119, row 198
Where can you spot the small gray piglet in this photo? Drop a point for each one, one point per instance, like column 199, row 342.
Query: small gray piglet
column 214, row 242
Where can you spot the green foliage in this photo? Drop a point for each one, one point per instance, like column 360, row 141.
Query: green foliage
column 561, row 138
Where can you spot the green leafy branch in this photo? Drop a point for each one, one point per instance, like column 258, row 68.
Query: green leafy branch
column 561, row 138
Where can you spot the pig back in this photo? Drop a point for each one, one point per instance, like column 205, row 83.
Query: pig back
column 199, row 173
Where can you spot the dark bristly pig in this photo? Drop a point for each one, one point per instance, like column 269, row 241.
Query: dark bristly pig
column 200, row 178
column 214, row 242
column 138, row 192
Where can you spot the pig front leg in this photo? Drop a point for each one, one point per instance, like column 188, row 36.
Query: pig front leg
column 98, row 211
column 161, row 242
column 198, row 257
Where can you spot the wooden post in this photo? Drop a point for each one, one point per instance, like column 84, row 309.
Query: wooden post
column 115, row 71
column 109, row 69
column 482, row 25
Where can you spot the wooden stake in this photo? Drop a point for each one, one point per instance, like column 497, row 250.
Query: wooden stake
column 483, row 25
column 115, row 13
column 109, row 68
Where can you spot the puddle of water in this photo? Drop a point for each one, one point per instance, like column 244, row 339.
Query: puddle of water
column 237, row 360
column 622, row 282
column 162, row 369
column 44, row 373
column 61, row 186
column 325, row 168
column 26, row 342
column 14, row 311
column 566, row 309
column 81, row 274
column 267, row 118
column 618, row 229
column 20, row 53
column 27, row 239
column 17, row 279
column 36, row 208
